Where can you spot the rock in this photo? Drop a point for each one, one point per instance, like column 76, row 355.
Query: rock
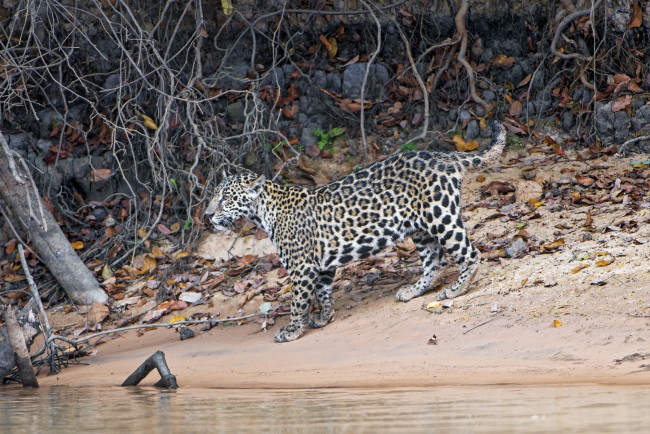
column 568, row 121
column 19, row 142
column 47, row 118
column 549, row 281
column 43, row 145
column 488, row 96
column 376, row 83
column 517, row 248
column 528, row 191
column 275, row 77
column 464, row 115
column 453, row 115
column 472, row 130
column 234, row 78
column 620, row 124
column 604, row 118
column 235, row 111
column 186, row 333
column 307, row 137
column 110, row 89
column 334, row 82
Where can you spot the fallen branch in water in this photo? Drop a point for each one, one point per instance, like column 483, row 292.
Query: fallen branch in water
column 157, row 360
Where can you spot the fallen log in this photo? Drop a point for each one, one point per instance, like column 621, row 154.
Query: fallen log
column 18, row 190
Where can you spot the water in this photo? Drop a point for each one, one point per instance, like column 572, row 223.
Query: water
column 499, row 409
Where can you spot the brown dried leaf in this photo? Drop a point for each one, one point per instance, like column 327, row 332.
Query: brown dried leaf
column 515, row 109
column 504, row 62
column 621, row 103
column 636, row 18
column 163, row 229
column 97, row 313
column 99, row 175
column 552, row 246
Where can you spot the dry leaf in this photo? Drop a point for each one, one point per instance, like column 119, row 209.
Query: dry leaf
column 163, row 229
column 325, row 42
column 226, row 5
column 604, row 262
column 463, row 146
column 97, row 313
column 553, row 246
column 334, row 48
column 77, row 245
column 579, row 267
column 290, row 112
column 525, row 81
column 557, row 323
column 515, row 109
column 636, row 17
column 621, row 103
column 176, row 318
column 503, row 61
column 14, row 278
column 148, row 122
column 99, row 175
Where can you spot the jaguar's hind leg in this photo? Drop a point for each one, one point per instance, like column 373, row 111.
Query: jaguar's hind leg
column 433, row 259
column 324, row 298
column 466, row 257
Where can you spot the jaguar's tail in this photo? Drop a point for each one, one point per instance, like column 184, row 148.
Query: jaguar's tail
column 492, row 153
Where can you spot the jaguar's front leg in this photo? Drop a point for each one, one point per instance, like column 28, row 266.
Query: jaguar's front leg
column 302, row 294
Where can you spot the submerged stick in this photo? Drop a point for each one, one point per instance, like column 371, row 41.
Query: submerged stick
column 21, row 355
column 157, row 360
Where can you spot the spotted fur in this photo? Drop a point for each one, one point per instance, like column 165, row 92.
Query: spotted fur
column 413, row 194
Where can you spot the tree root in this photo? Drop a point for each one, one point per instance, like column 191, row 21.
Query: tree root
column 461, row 37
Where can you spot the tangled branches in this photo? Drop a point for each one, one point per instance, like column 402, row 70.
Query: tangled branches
column 127, row 78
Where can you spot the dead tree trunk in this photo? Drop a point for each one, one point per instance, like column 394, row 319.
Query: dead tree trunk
column 20, row 194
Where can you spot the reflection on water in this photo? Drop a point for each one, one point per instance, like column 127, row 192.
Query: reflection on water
column 441, row 409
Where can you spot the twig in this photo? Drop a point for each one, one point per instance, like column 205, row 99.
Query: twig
column 9, row 156
column 145, row 326
column 482, row 324
column 365, row 81
column 45, row 323
column 623, row 151
column 418, row 77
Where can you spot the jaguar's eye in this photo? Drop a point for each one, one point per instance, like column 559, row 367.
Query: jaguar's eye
column 225, row 197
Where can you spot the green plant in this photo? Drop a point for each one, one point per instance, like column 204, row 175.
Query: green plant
column 410, row 146
column 326, row 139
column 357, row 167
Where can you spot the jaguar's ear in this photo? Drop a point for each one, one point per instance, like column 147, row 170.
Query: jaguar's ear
column 224, row 175
column 255, row 187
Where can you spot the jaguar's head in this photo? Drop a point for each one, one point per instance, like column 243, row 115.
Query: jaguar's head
column 234, row 199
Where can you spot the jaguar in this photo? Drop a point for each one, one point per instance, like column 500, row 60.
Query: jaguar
column 414, row 194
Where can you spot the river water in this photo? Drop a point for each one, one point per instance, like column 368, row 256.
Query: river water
column 502, row 409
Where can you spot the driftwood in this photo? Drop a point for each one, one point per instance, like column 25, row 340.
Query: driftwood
column 28, row 321
column 19, row 192
column 19, row 347
column 157, row 360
